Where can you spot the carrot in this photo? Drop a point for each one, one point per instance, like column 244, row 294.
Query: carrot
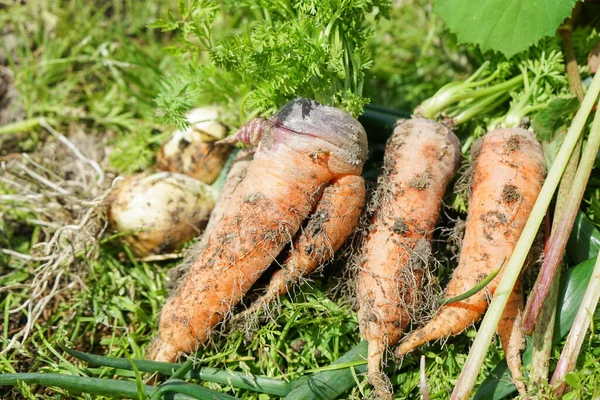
column 334, row 219
column 235, row 175
column 512, row 336
column 421, row 158
column 508, row 176
column 301, row 149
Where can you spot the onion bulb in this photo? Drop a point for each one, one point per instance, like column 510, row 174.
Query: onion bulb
column 192, row 151
column 158, row 213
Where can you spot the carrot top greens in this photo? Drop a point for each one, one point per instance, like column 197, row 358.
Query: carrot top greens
column 282, row 49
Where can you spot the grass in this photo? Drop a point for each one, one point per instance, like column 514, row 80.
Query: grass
column 103, row 75
column 96, row 67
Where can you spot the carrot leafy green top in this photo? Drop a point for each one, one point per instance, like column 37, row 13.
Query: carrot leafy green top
column 282, row 49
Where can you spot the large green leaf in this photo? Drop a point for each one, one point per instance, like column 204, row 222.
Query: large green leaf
column 507, row 26
column 584, row 242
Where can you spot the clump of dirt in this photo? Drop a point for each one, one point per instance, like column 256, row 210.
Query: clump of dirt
column 510, row 194
column 421, row 181
column 419, row 284
column 464, row 184
column 455, row 236
column 400, row 227
column 513, row 144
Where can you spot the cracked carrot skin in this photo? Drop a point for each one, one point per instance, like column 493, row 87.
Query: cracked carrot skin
column 421, row 158
column 301, row 149
column 509, row 173
column 334, row 219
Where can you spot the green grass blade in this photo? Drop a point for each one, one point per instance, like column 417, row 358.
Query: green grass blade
column 475, row 289
column 239, row 380
column 138, row 379
column 179, row 373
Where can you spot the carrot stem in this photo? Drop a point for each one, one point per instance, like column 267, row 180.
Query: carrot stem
column 543, row 333
column 570, row 352
column 559, row 238
column 456, row 92
column 512, row 271
column 480, row 107
column 484, row 282
column 569, row 52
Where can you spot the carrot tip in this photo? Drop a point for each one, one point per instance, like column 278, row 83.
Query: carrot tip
column 378, row 379
column 404, row 348
column 161, row 351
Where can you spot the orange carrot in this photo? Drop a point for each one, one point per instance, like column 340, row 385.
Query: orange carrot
column 235, row 175
column 334, row 219
column 421, row 158
column 300, row 151
column 508, row 176
column 512, row 336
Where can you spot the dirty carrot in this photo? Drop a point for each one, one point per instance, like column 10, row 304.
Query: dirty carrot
column 332, row 222
column 421, row 158
column 236, row 174
column 508, row 174
column 231, row 178
column 301, row 149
